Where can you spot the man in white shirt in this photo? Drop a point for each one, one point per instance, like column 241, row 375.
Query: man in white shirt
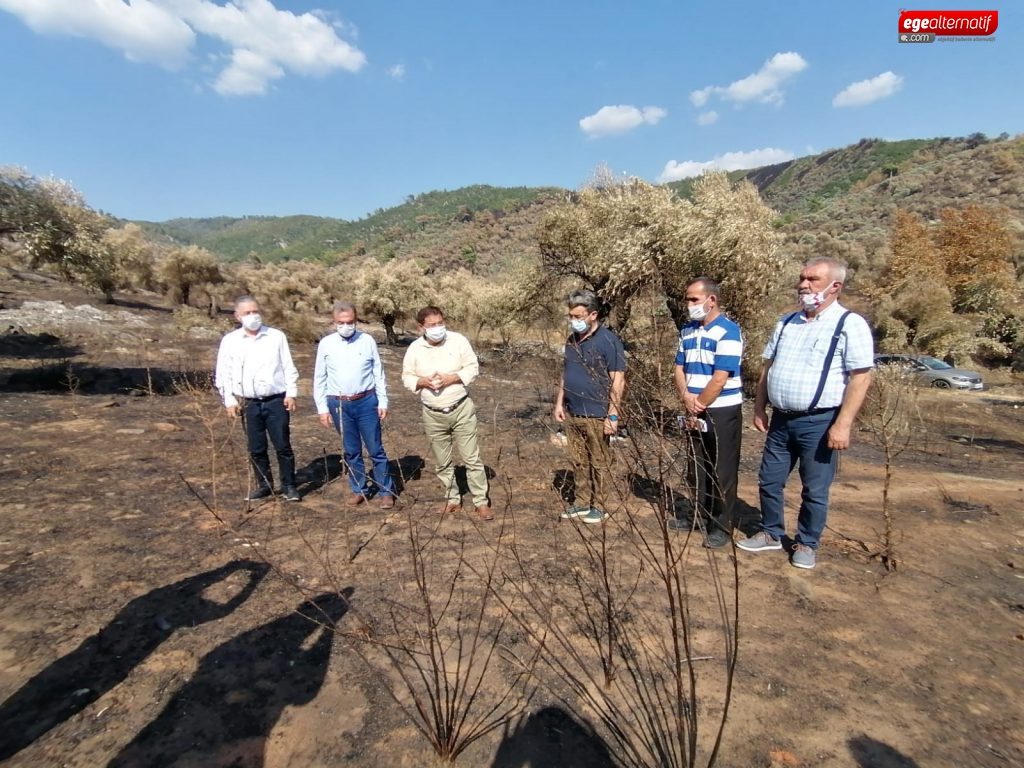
column 351, row 394
column 439, row 366
column 257, row 379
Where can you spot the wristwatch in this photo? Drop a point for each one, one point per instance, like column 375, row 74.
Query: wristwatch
column 612, row 417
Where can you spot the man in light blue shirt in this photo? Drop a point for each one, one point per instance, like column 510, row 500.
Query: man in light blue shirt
column 351, row 394
column 817, row 370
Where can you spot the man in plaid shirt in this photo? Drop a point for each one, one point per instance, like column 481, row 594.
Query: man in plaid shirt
column 817, row 370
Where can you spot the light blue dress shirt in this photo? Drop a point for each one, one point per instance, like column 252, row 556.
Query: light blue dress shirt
column 348, row 367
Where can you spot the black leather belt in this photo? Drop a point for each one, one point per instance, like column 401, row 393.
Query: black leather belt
column 260, row 399
column 447, row 408
column 812, row 412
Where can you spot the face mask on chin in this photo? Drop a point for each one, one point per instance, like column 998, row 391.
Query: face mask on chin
column 346, row 330
column 811, row 301
column 252, row 322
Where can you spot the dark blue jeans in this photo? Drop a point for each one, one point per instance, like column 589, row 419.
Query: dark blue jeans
column 269, row 417
column 359, row 424
column 792, row 440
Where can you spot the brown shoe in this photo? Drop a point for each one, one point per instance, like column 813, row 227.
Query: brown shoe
column 387, row 502
column 354, row 499
column 485, row 512
column 448, row 507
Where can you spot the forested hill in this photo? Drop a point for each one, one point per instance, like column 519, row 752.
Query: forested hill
column 838, row 202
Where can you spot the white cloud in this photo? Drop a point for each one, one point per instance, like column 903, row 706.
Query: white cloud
column 397, row 72
column 707, row 118
column 764, row 86
column 264, row 43
column 608, row 121
column 730, row 161
column 143, row 31
column 866, row 91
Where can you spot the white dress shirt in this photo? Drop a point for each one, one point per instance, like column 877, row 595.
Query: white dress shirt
column 348, row 367
column 257, row 365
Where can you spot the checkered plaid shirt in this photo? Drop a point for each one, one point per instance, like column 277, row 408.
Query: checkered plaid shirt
column 798, row 348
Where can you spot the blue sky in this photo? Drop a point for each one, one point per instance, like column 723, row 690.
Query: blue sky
column 156, row 109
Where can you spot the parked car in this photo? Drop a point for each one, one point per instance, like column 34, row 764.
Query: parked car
column 934, row 372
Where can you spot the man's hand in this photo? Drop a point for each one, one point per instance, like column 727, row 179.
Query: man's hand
column 692, row 405
column 232, row 411
column 289, row 404
column 382, row 413
column 839, row 437
column 559, row 414
column 610, row 427
column 760, row 418
column 325, row 420
column 448, row 379
column 425, row 382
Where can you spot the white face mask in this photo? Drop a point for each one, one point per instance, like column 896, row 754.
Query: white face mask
column 252, row 322
column 697, row 311
column 578, row 325
column 345, row 330
column 437, row 333
column 812, row 301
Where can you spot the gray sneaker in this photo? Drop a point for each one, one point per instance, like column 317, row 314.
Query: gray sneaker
column 802, row 557
column 574, row 511
column 595, row 515
column 759, row 542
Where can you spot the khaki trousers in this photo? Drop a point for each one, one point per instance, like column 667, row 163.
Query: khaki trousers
column 458, row 430
column 591, row 456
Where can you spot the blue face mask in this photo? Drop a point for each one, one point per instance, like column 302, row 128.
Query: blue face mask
column 578, row 326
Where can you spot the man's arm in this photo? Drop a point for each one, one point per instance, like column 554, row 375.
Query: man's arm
column 761, row 399
column 560, row 401
column 853, row 399
column 615, row 400
column 380, row 383
column 291, row 375
column 222, row 377
column 320, row 378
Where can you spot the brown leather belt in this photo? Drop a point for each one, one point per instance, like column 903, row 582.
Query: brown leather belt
column 356, row 396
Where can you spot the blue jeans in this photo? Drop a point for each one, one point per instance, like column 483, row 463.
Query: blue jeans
column 269, row 417
column 359, row 424
column 793, row 439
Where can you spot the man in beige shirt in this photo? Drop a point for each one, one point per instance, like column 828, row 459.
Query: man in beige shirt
column 439, row 366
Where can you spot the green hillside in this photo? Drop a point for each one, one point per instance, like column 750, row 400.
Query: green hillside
column 836, row 203
column 312, row 237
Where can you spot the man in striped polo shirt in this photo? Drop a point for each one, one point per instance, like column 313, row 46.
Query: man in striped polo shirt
column 707, row 378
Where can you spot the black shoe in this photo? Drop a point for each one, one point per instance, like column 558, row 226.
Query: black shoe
column 259, row 493
column 717, row 538
column 679, row 524
column 291, row 493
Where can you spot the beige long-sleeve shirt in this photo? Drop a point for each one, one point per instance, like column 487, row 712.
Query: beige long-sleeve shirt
column 453, row 355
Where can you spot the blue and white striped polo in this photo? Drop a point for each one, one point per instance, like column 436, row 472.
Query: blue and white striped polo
column 704, row 349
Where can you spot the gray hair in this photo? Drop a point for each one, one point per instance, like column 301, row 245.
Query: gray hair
column 708, row 286
column 245, row 300
column 344, row 306
column 586, row 299
column 836, row 268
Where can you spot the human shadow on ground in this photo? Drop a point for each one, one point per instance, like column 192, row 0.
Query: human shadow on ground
column 224, row 714
column 105, row 659
column 552, row 738
column 331, row 466
column 463, row 483
column 870, row 753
